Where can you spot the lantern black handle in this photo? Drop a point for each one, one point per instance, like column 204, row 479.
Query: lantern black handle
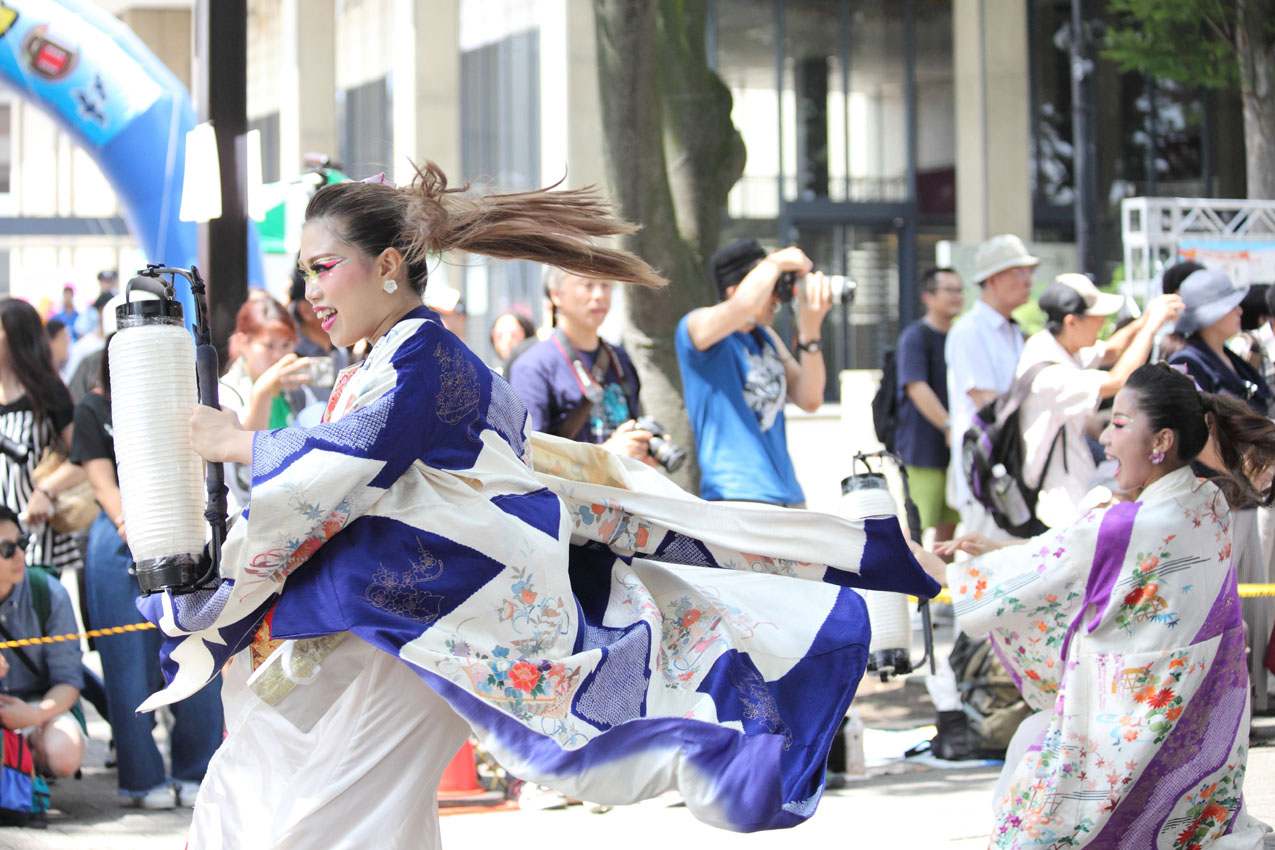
column 207, row 372
column 913, row 514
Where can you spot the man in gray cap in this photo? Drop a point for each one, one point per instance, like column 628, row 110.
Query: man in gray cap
column 1055, row 416
column 982, row 349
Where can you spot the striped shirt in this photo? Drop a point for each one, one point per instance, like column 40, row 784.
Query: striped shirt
column 19, row 423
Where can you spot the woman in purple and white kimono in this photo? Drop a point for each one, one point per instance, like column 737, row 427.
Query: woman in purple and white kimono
column 419, row 567
column 1123, row 630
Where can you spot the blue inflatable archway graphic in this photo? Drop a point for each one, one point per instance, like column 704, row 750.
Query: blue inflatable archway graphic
column 100, row 83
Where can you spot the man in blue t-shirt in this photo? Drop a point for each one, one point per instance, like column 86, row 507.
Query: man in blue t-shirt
column 921, row 435
column 737, row 373
column 69, row 315
column 575, row 384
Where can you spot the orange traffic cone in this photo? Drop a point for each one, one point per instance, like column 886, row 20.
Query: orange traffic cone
column 460, row 777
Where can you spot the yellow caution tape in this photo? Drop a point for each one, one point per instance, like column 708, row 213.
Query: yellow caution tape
column 1247, row 591
column 93, row 633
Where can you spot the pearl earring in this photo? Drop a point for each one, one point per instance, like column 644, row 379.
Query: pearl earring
column 1156, row 457
column 390, row 286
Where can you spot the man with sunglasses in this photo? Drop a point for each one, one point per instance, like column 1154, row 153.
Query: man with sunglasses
column 39, row 684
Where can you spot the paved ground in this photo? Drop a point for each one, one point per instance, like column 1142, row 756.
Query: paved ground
column 919, row 807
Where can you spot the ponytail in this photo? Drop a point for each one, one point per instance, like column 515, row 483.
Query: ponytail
column 1246, row 444
column 426, row 217
column 1245, row 441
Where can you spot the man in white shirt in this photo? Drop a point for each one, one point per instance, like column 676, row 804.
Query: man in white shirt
column 1066, row 394
column 982, row 349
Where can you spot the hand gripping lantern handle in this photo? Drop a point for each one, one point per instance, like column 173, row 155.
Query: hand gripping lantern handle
column 157, row 372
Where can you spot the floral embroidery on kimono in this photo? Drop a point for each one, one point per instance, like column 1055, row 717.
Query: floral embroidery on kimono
column 1130, row 638
column 601, row 630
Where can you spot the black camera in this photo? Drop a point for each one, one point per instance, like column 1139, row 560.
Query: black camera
column 842, row 288
column 18, row 452
column 667, row 453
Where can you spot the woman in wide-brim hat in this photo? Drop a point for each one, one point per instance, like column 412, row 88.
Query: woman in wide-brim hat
column 1210, row 318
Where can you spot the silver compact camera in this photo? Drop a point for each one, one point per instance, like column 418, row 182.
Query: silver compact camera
column 842, row 287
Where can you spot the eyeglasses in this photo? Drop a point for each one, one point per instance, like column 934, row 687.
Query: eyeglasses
column 950, row 290
column 8, row 547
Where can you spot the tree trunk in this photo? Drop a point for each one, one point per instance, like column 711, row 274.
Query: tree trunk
column 672, row 155
column 1255, row 46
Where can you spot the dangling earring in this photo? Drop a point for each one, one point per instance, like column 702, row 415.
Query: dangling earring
column 390, row 286
column 1156, row 457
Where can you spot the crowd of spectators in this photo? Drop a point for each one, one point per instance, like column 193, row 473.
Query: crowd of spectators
column 737, row 375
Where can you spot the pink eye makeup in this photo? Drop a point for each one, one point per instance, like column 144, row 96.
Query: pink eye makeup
column 322, row 267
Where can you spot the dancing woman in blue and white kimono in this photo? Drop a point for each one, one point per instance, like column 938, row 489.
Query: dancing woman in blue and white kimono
column 404, row 576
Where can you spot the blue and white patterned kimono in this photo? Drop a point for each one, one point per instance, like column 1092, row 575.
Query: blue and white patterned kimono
column 599, row 629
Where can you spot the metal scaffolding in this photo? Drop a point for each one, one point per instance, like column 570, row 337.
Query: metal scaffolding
column 1155, row 231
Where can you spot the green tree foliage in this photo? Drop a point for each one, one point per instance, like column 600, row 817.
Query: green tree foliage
column 1214, row 43
column 1189, row 41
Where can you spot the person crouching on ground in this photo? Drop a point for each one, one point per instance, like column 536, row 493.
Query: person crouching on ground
column 40, row 683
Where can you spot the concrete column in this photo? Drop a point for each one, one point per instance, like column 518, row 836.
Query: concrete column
column 586, row 140
column 571, row 137
column 993, row 114
column 426, row 85
column 307, row 106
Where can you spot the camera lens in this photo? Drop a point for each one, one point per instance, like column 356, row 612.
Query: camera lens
column 842, row 289
column 668, row 455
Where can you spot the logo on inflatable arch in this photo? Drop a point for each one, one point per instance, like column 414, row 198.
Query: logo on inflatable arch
column 48, row 55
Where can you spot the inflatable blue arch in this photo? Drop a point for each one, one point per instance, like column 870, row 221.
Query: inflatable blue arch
column 101, row 84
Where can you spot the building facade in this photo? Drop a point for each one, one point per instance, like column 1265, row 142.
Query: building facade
column 876, row 130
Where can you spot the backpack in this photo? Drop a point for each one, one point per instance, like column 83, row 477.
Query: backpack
column 885, row 404
column 991, row 706
column 17, row 779
column 995, row 438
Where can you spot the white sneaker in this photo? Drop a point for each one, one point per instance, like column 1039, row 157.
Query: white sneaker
column 186, row 793
column 160, row 798
column 540, row 798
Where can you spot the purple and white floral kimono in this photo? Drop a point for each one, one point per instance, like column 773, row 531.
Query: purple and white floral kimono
column 1125, row 628
column 599, row 629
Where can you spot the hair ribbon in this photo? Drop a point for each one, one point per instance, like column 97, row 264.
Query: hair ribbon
column 379, row 178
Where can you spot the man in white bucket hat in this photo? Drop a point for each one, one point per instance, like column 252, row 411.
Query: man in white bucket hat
column 982, row 349
column 1055, row 415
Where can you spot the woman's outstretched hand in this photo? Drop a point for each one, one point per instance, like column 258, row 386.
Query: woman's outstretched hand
column 217, row 436
column 970, row 544
column 935, row 566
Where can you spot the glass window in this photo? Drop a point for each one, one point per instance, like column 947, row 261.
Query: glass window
column 1051, row 179
column 268, row 125
column 745, row 59
column 935, row 109
column 367, row 134
column 844, row 112
column 500, row 146
column 814, row 102
column 6, row 147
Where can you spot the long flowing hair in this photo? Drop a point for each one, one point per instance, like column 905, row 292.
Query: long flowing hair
column 1244, row 440
column 427, row 218
column 30, row 358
